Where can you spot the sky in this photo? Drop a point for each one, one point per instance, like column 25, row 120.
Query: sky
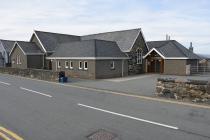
column 184, row 20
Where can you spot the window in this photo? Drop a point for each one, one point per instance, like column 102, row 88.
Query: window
column 18, row 59
column 59, row 64
column 71, row 65
column 112, row 65
column 66, row 64
column 85, row 65
column 80, row 65
column 139, row 56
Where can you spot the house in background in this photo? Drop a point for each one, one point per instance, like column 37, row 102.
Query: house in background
column 169, row 57
column 5, row 48
column 205, row 60
column 26, row 55
column 92, row 59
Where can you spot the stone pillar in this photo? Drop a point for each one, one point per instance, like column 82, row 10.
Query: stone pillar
column 188, row 70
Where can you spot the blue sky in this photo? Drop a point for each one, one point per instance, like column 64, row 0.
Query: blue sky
column 185, row 20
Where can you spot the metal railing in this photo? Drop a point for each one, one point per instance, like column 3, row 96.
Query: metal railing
column 200, row 70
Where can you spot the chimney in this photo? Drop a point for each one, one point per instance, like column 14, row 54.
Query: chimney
column 191, row 47
column 168, row 37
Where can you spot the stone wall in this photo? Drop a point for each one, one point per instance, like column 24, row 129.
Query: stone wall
column 190, row 90
column 32, row 73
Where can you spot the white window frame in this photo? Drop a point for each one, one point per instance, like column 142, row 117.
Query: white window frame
column 71, row 65
column 139, row 56
column 18, row 60
column 66, row 64
column 17, row 57
column 85, row 68
column 80, row 66
column 58, row 64
column 112, row 65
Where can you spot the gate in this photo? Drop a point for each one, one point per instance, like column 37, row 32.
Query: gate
column 200, row 70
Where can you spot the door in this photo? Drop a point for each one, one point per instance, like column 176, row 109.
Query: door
column 155, row 66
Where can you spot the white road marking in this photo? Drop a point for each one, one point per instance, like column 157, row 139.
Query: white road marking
column 127, row 116
column 47, row 95
column 8, row 84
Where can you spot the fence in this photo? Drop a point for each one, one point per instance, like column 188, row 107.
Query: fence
column 47, row 75
column 202, row 70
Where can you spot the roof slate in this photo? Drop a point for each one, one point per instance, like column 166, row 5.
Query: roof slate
column 8, row 45
column 29, row 47
column 125, row 39
column 51, row 40
column 1, row 57
column 172, row 48
column 89, row 48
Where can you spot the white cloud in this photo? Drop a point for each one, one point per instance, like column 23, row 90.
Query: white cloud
column 185, row 21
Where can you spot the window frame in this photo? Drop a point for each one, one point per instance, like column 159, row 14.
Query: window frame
column 18, row 59
column 71, row 65
column 67, row 66
column 58, row 64
column 85, row 68
column 139, row 56
column 112, row 65
column 80, row 66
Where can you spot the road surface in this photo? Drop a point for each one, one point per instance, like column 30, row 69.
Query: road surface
column 38, row 110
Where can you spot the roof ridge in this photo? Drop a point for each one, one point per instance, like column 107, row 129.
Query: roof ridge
column 111, row 32
column 56, row 33
column 161, row 41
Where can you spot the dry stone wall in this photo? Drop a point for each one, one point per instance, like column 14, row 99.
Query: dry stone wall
column 190, row 90
column 46, row 75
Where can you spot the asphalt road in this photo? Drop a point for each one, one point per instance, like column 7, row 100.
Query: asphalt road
column 38, row 110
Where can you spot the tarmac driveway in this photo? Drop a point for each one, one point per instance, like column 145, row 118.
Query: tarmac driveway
column 137, row 85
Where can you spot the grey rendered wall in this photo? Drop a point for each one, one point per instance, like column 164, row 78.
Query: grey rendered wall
column 76, row 72
column 17, row 51
column 103, row 69
column 137, row 68
column 175, row 67
column 35, row 61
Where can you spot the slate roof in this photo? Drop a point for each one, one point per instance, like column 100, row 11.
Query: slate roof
column 7, row 44
column 89, row 48
column 51, row 40
column 125, row 39
column 1, row 57
column 172, row 48
column 29, row 48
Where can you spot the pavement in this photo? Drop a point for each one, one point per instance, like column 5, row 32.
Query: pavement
column 38, row 110
column 144, row 85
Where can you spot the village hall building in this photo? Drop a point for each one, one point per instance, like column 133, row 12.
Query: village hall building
column 103, row 55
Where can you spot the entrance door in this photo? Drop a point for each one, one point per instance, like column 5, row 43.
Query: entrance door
column 156, row 66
